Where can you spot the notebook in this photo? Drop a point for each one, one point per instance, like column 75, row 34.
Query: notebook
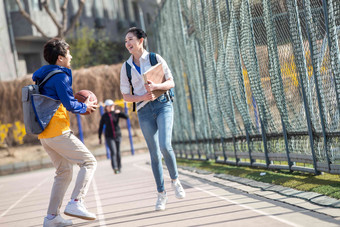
column 156, row 75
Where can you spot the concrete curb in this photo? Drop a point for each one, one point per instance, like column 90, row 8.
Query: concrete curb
column 311, row 197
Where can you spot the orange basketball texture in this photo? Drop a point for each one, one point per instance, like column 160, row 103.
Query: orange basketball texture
column 82, row 95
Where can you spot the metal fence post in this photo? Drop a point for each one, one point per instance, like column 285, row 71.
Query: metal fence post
column 309, row 126
column 108, row 153
column 234, row 144
column 285, row 136
column 264, row 138
column 129, row 128
column 322, row 120
column 324, row 4
column 249, row 150
column 223, row 150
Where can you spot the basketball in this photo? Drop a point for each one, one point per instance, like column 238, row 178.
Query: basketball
column 82, row 95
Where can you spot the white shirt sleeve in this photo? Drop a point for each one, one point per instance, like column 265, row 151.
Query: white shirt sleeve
column 166, row 69
column 124, row 81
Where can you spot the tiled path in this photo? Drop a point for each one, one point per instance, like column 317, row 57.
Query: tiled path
column 128, row 199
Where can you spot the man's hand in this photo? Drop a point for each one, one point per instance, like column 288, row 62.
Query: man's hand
column 117, row 111
column 91, row 105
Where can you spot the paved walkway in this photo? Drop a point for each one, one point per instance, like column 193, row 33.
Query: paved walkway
column 128, row 199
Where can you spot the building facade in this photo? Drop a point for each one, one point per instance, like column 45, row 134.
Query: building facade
column 22, row 43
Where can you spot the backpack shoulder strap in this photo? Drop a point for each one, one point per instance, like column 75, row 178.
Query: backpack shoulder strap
column 128, row 71
column 128, row 74
column 52, row 73
column 153, row 58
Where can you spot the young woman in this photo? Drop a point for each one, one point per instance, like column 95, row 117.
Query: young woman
column 113, row 136
column 155, row 115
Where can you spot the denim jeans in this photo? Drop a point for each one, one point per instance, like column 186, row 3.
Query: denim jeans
column 156, row 121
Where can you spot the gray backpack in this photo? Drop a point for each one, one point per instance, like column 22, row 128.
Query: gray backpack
column 38, row 109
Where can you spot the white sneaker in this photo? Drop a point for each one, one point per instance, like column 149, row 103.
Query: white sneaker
column 78, row 209
column 58, row 221
column 179, row 191
column 161, row 201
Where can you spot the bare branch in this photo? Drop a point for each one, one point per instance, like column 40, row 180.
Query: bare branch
column 64, row 13
column 54, row 19
column 27, row 16
column 76, row 17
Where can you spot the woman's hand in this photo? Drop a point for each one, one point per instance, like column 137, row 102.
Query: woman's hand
column 149, row 96
column 151, row 86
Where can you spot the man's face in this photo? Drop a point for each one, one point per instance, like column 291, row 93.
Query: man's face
column 65, row 61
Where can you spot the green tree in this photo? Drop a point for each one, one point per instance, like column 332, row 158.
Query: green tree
column 90, row 47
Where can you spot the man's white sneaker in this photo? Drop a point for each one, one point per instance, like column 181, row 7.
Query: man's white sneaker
column 58, row 221
column 177, row 187
column 78, row 209
column 161, row 201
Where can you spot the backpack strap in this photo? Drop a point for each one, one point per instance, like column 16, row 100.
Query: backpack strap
column 52, row 73
column 153, row 58
column 128, row 74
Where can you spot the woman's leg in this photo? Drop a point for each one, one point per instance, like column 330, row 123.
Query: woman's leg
column 165, row 124
column 148, row 124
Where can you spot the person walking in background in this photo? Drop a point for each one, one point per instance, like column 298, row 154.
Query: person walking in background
column 155, row 115
column 64, row 148
column 113, row 135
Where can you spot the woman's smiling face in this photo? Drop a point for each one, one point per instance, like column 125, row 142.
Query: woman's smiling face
column 132, row 43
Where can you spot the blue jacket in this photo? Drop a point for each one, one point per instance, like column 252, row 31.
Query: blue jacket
column 59, row 87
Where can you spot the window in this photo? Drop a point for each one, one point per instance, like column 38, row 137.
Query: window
column 35, row 5
column 13, row 7
column 88, row 8
column 53, row 6
column 98, row 9
column 75, row 5
column 110, row 9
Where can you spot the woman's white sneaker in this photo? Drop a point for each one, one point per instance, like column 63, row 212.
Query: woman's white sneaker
column 161, row 201
column 78, row 209
column 58, row 221
column 177, row 187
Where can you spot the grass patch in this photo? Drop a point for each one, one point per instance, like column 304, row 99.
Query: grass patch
column 325, row 184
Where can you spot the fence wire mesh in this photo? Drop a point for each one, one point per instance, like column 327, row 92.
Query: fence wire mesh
column 257, row 81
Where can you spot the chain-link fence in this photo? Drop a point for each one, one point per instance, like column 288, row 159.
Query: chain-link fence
column 257, row 81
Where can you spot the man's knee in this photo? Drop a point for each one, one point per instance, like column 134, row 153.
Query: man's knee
column 93, row 163
column 65, row 174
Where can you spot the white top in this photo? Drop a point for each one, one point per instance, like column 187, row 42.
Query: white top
column 137, row 79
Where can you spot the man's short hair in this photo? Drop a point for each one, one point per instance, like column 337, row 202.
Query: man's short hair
column 53, row 48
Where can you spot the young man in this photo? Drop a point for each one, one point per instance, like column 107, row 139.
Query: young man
column 58, row 140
